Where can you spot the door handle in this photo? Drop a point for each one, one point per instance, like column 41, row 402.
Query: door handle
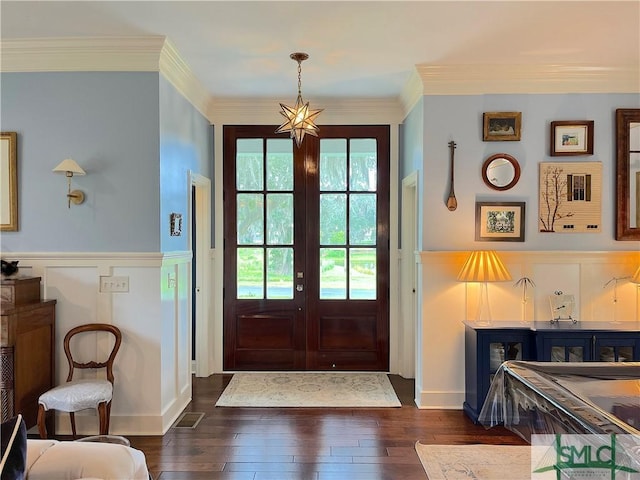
column 299, row 287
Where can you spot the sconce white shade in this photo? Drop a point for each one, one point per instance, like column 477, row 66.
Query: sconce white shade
column 69, row 165
column 484, row 266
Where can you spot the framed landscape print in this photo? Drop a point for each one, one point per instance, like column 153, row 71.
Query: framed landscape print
column 571, row 137
column 500, row 221
column 501, row 126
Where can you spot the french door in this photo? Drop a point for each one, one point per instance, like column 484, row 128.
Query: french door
column 306, row 252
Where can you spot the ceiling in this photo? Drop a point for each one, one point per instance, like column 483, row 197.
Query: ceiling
column 357, row 49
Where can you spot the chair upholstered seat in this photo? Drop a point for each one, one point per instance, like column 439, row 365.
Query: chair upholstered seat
column 77, row 395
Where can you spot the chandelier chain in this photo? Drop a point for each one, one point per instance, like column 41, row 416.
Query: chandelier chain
column 299, row 78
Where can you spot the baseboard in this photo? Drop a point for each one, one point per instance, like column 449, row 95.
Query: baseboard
column 440, row 400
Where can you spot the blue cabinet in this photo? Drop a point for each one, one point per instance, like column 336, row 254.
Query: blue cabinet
column 486, row 347
column 485, row 350
column 588, row 342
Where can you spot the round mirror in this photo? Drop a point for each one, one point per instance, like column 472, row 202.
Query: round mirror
column 500, row 171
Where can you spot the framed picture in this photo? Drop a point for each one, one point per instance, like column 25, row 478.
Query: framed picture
column 501, row 126
column 571, row 137
column 500, row 221
column 175, row 220
column 8, row 182
column 570, row 197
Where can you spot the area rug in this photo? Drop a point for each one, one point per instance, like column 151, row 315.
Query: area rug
column 307, row 389
column 479, row 462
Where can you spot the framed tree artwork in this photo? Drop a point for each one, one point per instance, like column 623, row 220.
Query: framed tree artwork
column 570, row 197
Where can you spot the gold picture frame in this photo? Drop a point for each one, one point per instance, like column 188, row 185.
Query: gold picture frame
column 501, row 126
column 8, row 182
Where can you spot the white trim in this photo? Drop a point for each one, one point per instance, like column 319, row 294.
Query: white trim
column 440, row 400
column 179, row 74
column 116, row 259
column 205, row 345
column 512, row 79
column 265, row 111
column 82, row 54
column 158, row 54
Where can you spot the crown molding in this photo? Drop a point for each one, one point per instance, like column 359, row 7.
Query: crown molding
column 531, row 79
column 179, row 74
column 337, row 111
column 158, row 54
column 412, row 92
column 105, row 54
column 86, row 54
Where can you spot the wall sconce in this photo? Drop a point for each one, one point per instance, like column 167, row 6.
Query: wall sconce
column 70, row 168
column 635, row 278
column 483, row 266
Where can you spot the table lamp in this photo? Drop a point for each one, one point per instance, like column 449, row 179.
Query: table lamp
column 483, row 266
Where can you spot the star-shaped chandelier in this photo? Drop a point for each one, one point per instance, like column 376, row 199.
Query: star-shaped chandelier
column 299, row 118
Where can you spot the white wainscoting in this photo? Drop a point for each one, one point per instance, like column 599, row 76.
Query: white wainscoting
column 153, row 367
column 446, row 303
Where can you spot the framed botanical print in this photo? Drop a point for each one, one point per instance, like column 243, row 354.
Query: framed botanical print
column 500, row 221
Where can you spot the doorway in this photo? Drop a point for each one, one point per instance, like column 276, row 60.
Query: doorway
column 408, row 277
column 201, row 331
column 306, row 252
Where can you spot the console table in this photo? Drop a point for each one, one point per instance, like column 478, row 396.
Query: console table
column 486, row 347
column 27, row 348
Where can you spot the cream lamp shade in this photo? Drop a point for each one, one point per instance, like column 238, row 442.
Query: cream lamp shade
column 69, row 165
column 636, row 276
column 483, row 266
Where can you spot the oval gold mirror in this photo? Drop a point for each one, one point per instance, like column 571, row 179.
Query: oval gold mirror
column 500, row 171
column 628, row 174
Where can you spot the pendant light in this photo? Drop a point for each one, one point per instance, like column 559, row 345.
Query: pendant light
column 299, row 118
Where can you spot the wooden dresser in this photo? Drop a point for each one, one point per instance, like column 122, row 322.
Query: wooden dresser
column 27, row 347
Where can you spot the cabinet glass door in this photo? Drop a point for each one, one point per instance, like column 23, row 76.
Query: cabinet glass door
column 502, row 351
column 615, row 353
column 562, row 353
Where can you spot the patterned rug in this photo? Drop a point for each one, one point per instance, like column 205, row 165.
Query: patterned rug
column 305, row 389
column 478, row 462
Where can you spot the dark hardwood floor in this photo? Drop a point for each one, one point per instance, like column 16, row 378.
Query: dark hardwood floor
column 306, row 443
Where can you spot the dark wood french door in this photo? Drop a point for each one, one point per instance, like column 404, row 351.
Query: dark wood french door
column 306, row 252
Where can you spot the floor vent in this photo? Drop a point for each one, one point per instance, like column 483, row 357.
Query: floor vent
column 188, row 420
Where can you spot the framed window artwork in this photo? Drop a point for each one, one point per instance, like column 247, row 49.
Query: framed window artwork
column 500, row 221
column 501, row 126
column 571, row 137
column 570, row 197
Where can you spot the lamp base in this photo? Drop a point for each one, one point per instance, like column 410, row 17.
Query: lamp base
column 483, row 314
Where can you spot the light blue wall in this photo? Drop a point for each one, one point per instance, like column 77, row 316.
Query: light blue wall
column 186, row 144
column 459, row 118
column 411, row 152
column 108, row 123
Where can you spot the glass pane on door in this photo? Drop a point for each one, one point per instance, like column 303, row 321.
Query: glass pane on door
column 264, row 218
column 348, row 218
